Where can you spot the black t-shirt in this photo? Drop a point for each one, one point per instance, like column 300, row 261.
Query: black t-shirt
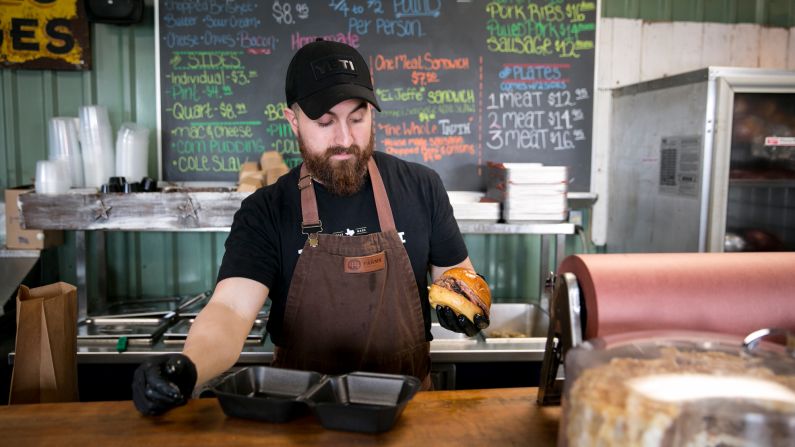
column 266, row 236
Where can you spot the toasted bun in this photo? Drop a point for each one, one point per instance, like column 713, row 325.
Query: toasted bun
column 442, row 297
column 473, row 281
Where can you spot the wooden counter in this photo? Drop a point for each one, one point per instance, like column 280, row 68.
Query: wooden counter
column 495, row 417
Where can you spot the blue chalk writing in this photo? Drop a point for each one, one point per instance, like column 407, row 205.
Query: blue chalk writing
column 176, row 22
column 417, row 8
column 399, row 27
column 230, row 22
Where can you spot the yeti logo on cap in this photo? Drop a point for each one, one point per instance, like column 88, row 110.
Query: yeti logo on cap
column 332, row 65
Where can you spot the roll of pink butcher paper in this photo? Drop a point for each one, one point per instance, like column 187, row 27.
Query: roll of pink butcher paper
column 733, row 293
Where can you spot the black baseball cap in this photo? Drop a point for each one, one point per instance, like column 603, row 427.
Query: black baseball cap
column 322, row 74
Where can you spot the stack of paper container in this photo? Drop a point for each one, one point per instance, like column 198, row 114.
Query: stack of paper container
column 473, row 206
column 529, row 192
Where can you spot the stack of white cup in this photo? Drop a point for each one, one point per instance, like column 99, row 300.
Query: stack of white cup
column 64, row 145
column 96, row 137
column 52, row 177
column 132, row 152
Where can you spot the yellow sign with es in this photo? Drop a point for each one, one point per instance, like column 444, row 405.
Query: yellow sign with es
column 46, row 34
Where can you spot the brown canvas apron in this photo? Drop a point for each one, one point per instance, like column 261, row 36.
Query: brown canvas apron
column 353, row 303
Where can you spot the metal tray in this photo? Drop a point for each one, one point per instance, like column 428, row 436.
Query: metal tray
column 139, row 308
column 361, row 401
column 155, row 307
column 178, row 332
column 194, row 305
column 265, row 393
column 110, row 330
column 442, row 335
column 515, row 323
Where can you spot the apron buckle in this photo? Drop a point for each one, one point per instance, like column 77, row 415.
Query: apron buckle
column 312, row 230
column 305, row 182
column 308, row 228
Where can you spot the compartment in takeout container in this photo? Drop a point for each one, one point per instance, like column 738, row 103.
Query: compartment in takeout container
column 265, row 393
column 515, row 323
column 361, row 401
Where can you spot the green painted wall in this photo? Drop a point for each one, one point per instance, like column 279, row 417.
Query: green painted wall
column 778, row 13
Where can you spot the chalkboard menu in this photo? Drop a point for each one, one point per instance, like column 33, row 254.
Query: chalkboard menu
column 460, row 83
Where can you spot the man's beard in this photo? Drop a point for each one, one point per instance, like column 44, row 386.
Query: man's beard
column 340, row 177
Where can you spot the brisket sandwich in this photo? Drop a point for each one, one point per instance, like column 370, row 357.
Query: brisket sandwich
column 464, row 291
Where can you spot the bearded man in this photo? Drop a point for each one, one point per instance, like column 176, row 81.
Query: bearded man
column 342, row 245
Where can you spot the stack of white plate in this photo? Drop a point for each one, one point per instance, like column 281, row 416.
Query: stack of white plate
column 470, row 206
column 529, row 192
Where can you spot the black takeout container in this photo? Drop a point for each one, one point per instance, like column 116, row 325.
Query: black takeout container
column 358, row 401
column 361, row 401
column 265, row 393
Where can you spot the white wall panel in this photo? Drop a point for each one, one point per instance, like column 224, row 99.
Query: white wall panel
column 686, row 46
column 656, row 50
column 601, row 130
column 791, row 50
column 744, row 45
column 604, row 53
column 626, row 52
column 773, row 47
column 716, row 44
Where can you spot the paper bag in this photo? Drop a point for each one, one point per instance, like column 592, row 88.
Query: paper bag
column 45, row 359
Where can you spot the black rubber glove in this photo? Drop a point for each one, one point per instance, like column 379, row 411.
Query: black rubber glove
column 162, row 383
column 460, row 323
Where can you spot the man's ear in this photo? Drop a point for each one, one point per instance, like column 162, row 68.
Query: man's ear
column 290, row 116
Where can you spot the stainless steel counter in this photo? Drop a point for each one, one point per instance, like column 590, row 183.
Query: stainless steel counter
column 442, row 351
column 525, row 321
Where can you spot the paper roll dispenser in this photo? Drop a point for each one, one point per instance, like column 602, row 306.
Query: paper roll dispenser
column 606, row 294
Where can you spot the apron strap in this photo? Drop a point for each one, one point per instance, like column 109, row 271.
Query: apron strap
column 382, row 206
column 311, row 218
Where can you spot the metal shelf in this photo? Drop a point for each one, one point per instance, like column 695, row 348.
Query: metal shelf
column 540, row 228
column 185, row 210
column 171, row 210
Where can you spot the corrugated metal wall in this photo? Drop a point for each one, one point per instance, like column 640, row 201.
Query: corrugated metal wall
column 779, row 13
column 166, row 264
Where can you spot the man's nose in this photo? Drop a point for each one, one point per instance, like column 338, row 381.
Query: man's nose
column 343, row 136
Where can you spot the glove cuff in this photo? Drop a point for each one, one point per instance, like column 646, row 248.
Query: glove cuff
column 182, row 371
